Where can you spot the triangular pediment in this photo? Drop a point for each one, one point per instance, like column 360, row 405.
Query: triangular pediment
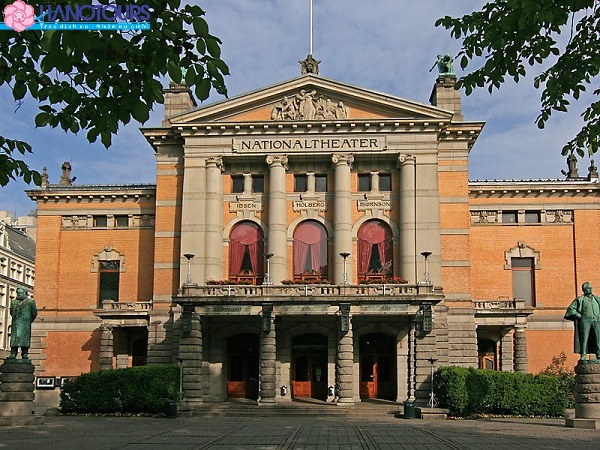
column 311, row 97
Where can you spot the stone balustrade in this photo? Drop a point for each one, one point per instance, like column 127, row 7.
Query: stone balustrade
column 504, row 304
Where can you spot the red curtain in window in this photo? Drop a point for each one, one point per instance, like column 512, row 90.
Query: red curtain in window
column 246, row 235
column 375, row 232
column 310, row 234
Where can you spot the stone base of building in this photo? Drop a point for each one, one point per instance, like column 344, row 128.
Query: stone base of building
column 431, row 413
column 590, row 424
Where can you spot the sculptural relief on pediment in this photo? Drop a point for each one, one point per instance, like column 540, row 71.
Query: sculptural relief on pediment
column 307, row 105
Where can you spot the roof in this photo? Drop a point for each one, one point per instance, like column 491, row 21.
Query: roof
column 20, row 242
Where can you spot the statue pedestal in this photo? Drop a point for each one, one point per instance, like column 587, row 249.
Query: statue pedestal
column 587, row 396
column 16, row 393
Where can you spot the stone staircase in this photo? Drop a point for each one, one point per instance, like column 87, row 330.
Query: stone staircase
column 309, row 407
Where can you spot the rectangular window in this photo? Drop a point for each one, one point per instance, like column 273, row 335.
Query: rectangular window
column 258, row 183
column 300, row 183
column 385, row 182
column 364, row 182
column 237, row 184
column 109, row 281
column 523, row 279
column 122, row 221
column 100, row 221
column 321, row 183
column 509, row 217
column 532, row 217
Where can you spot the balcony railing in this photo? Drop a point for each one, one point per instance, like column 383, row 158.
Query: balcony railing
column 501, row 304
column 297, row 291
column 110, row 307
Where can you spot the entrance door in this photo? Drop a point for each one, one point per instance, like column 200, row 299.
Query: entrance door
column 377, row 367
column 242, row 373
column 309, row 370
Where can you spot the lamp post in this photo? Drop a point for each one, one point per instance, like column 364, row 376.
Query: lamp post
column 267, row 281
column 189, row 257
column 433, row 402
column 426, row 279
column 345, row 274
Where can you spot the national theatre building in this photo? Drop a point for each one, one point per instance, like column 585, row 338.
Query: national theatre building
column 311, row 239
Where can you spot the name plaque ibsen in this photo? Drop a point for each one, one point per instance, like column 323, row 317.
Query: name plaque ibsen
column 300, row 144
column 245, row 206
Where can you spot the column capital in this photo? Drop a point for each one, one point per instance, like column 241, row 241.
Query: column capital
column 342, row 158
column 215, row 161
column 275, row 160
column 405, row 159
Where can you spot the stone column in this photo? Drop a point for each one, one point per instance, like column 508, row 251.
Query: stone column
column 106, row 348
column 587, row 396
column 342, row 216
column 406, row 163
column 277, row 219
column 520, row 350
column 345, row 360
column 507, row 353
column 190, row 352
column 268, row 357
column 213, row 256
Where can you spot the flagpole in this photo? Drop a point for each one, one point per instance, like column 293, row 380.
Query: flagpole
column 311, row 28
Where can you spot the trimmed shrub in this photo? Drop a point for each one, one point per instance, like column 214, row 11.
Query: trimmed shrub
column 467, row 392
column 143, row 389
column 565, row 374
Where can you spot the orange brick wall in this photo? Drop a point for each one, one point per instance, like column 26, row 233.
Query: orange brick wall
column 71, row 353
column 543, row 345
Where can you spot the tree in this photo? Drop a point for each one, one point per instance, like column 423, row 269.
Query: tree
column 507, row 35
column 93, row 81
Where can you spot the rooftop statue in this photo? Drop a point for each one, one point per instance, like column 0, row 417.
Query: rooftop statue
column 584, row 311
column 445, row 64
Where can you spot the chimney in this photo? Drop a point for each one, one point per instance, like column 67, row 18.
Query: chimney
column 445, row 96
column 178, row 99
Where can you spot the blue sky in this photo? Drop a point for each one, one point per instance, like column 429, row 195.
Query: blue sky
column 384, row 45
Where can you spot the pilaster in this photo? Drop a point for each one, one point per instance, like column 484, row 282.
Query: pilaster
column 407, row 165
column 342, row 216
column 213, row 259
column 277, row 220
column 190, row 355
column 520, row 349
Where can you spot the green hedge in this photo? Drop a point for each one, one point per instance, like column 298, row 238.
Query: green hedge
column 143, row 389
column 467, row 392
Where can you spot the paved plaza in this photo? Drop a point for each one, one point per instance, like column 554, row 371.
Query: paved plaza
column 295, row 432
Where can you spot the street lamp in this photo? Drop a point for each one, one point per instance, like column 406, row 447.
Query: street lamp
column 345, row 275
column 267, row 281
column 426, row 279
column 433, row 402
column 189, row 257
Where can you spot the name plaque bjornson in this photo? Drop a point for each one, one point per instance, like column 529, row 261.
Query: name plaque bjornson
column 364, row 205
column 300, row 144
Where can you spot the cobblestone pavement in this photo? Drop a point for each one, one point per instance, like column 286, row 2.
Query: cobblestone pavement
column 295, row 432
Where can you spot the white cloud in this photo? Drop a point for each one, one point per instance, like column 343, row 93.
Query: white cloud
column 384, row 45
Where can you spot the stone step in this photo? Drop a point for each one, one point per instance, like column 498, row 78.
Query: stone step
column 233, row 409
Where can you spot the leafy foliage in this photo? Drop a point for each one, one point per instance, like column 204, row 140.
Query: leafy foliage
column 565, row 374
column 510, row 34
column 143, row 389
column 94, row 81
column 467, row 392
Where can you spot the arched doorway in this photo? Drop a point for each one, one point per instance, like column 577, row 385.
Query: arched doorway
column 309, row 367
column 377, row 366
column 242, row 367
column 487, row 351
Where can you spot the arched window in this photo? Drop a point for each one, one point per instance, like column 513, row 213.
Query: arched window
column 310, row 249
column 246, row 249
column 375, row 255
